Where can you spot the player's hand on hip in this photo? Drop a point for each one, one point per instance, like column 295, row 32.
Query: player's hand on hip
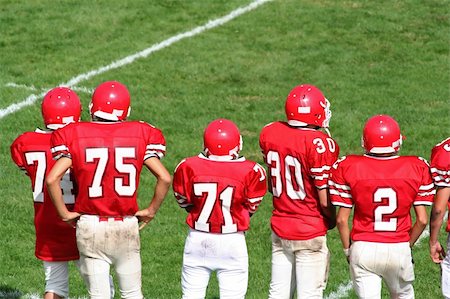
column 71, row 218
column 144, row 216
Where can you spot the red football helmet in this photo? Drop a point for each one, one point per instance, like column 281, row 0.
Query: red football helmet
column 222, row 138
column 60, row 106
column 306, row 105
column 381, row 135
column 110, row 101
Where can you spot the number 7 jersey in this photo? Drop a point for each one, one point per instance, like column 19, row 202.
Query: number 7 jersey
column 107, row 159
column 382, row 192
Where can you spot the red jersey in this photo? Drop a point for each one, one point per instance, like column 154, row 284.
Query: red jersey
column 55, row 239
column 107, row 159
column 440, row 167
column 440, row 163
column 219, row 195
column 382, row 190
column 299, row 161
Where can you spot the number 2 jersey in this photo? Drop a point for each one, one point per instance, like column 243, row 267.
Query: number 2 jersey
column 382, row 192
column 219, row 195
column 107, row 159
column 440, row 167
column 299, row 161
column 55, row 239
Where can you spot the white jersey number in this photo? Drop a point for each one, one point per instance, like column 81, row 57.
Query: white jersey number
column 41, row 165
column 383, row 211
column 101, row 155
column 292, row 170
column 225, row 198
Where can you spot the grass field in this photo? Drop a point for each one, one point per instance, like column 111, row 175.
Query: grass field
column 368, row 57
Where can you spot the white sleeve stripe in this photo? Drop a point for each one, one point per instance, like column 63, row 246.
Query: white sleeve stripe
column 317, row 177
column 156, row 147
column 341, row 204
column 427, row 193
column 442, row 184
column 184, row 205
column 178, row 195
column 59, row 148
column 153, row 154
column 320, row 169
column 423, row 203
column 341, row 194
column 339, row 186
column 253, row 200
column 426, row 187
column 439, row 171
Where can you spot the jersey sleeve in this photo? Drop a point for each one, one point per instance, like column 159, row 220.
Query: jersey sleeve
column 179, row 185
column 440, row 165
column 340, row 194
column 16, row 153
column 156, row 144
column 323, row 155
column 256, row 187
column 59, row 145
column 426, row 193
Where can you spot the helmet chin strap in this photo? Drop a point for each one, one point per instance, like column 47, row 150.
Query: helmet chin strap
column 328, row 131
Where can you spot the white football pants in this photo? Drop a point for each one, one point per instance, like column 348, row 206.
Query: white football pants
column 300, row 264
column 57, row 278
column 105, row 243
column 372, row 262
column 207, row 252
column 445, row 265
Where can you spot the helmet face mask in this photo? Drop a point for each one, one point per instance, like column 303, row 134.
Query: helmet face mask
column 221, row 138
column 306, row 105
column 381, row 135
column 110, row 101
column 60, row 106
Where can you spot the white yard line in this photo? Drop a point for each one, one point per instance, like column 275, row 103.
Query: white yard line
column 31, row 99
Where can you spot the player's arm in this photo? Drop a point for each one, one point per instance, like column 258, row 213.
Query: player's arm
column 53, row 180
column 419, row 224
column 163, row 180
column 342, row 218
column 328, row 210
column 438, row 211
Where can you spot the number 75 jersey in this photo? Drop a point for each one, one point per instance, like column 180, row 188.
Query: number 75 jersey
column 219, row 195
column 382, row 191
column 107, row 160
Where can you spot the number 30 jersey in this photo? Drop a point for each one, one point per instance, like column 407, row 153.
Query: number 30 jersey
column 219, row 195
column 382, row 191
column 299, row 161
column 55, row 240
column 107, row 159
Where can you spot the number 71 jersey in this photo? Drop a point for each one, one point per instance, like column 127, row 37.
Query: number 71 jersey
column 219, row 195
column 382, row 192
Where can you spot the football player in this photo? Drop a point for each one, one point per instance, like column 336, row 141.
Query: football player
column 220, row 191
column 55, row 240
column 299, row 156
column 382, row 187
column 440, row 170
column 107, row 156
